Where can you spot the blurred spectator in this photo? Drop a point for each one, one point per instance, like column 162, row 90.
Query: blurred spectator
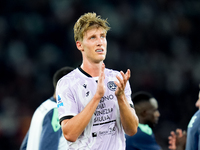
column 179, row 140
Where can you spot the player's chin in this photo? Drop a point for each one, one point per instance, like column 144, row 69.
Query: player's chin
column 102, row 58
column 99, row 61
column 156, row 122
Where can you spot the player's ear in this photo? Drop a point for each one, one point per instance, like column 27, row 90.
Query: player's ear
column 79, row 45
column 143, row 113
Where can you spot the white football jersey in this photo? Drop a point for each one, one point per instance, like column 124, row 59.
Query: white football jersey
column 104, row 132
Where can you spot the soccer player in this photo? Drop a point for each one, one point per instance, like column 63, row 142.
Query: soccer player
column 179, row 140
column 95, row 106
column 146, row 107
column 45, row 132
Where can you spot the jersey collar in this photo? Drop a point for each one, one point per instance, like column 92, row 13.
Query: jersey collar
column 85, row 73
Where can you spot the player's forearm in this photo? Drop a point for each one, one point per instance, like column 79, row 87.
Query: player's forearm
column 74, row 127
column 128, row 117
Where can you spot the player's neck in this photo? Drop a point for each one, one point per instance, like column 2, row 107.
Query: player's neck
column 141, row 120
column 92, row 69
column 54, row 95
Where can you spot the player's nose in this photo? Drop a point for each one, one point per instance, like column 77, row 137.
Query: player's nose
column 198, row 103
column 99, row 41
column 157, row 113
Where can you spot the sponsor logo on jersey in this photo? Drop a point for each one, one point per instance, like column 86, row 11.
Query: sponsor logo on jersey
column 111, row 86
column 110, row 130
column 84, row 85
column 87, row 94
column 94, row 134
column 107, row 98
column 60, row 103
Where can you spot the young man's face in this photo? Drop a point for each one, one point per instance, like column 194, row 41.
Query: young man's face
column 94, row 45
column 152, row 112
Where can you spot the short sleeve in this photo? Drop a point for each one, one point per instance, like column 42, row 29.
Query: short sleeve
column 66, row 104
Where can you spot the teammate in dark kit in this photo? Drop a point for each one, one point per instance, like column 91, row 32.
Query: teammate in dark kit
column 45, row 132
column 146, row 107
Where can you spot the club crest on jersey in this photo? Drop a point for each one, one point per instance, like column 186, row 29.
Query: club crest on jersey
column 111, row 85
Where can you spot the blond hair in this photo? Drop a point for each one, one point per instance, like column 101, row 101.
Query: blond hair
column 87, row 21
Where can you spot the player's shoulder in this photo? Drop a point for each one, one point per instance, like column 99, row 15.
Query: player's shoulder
column 140, row 135
column 47, row 105
column 198, row 112
column 111, row 72
column 69, row 78
column 196, row 115
column 70, row 75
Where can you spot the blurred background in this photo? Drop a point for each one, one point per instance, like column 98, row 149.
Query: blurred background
column 157, row 40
